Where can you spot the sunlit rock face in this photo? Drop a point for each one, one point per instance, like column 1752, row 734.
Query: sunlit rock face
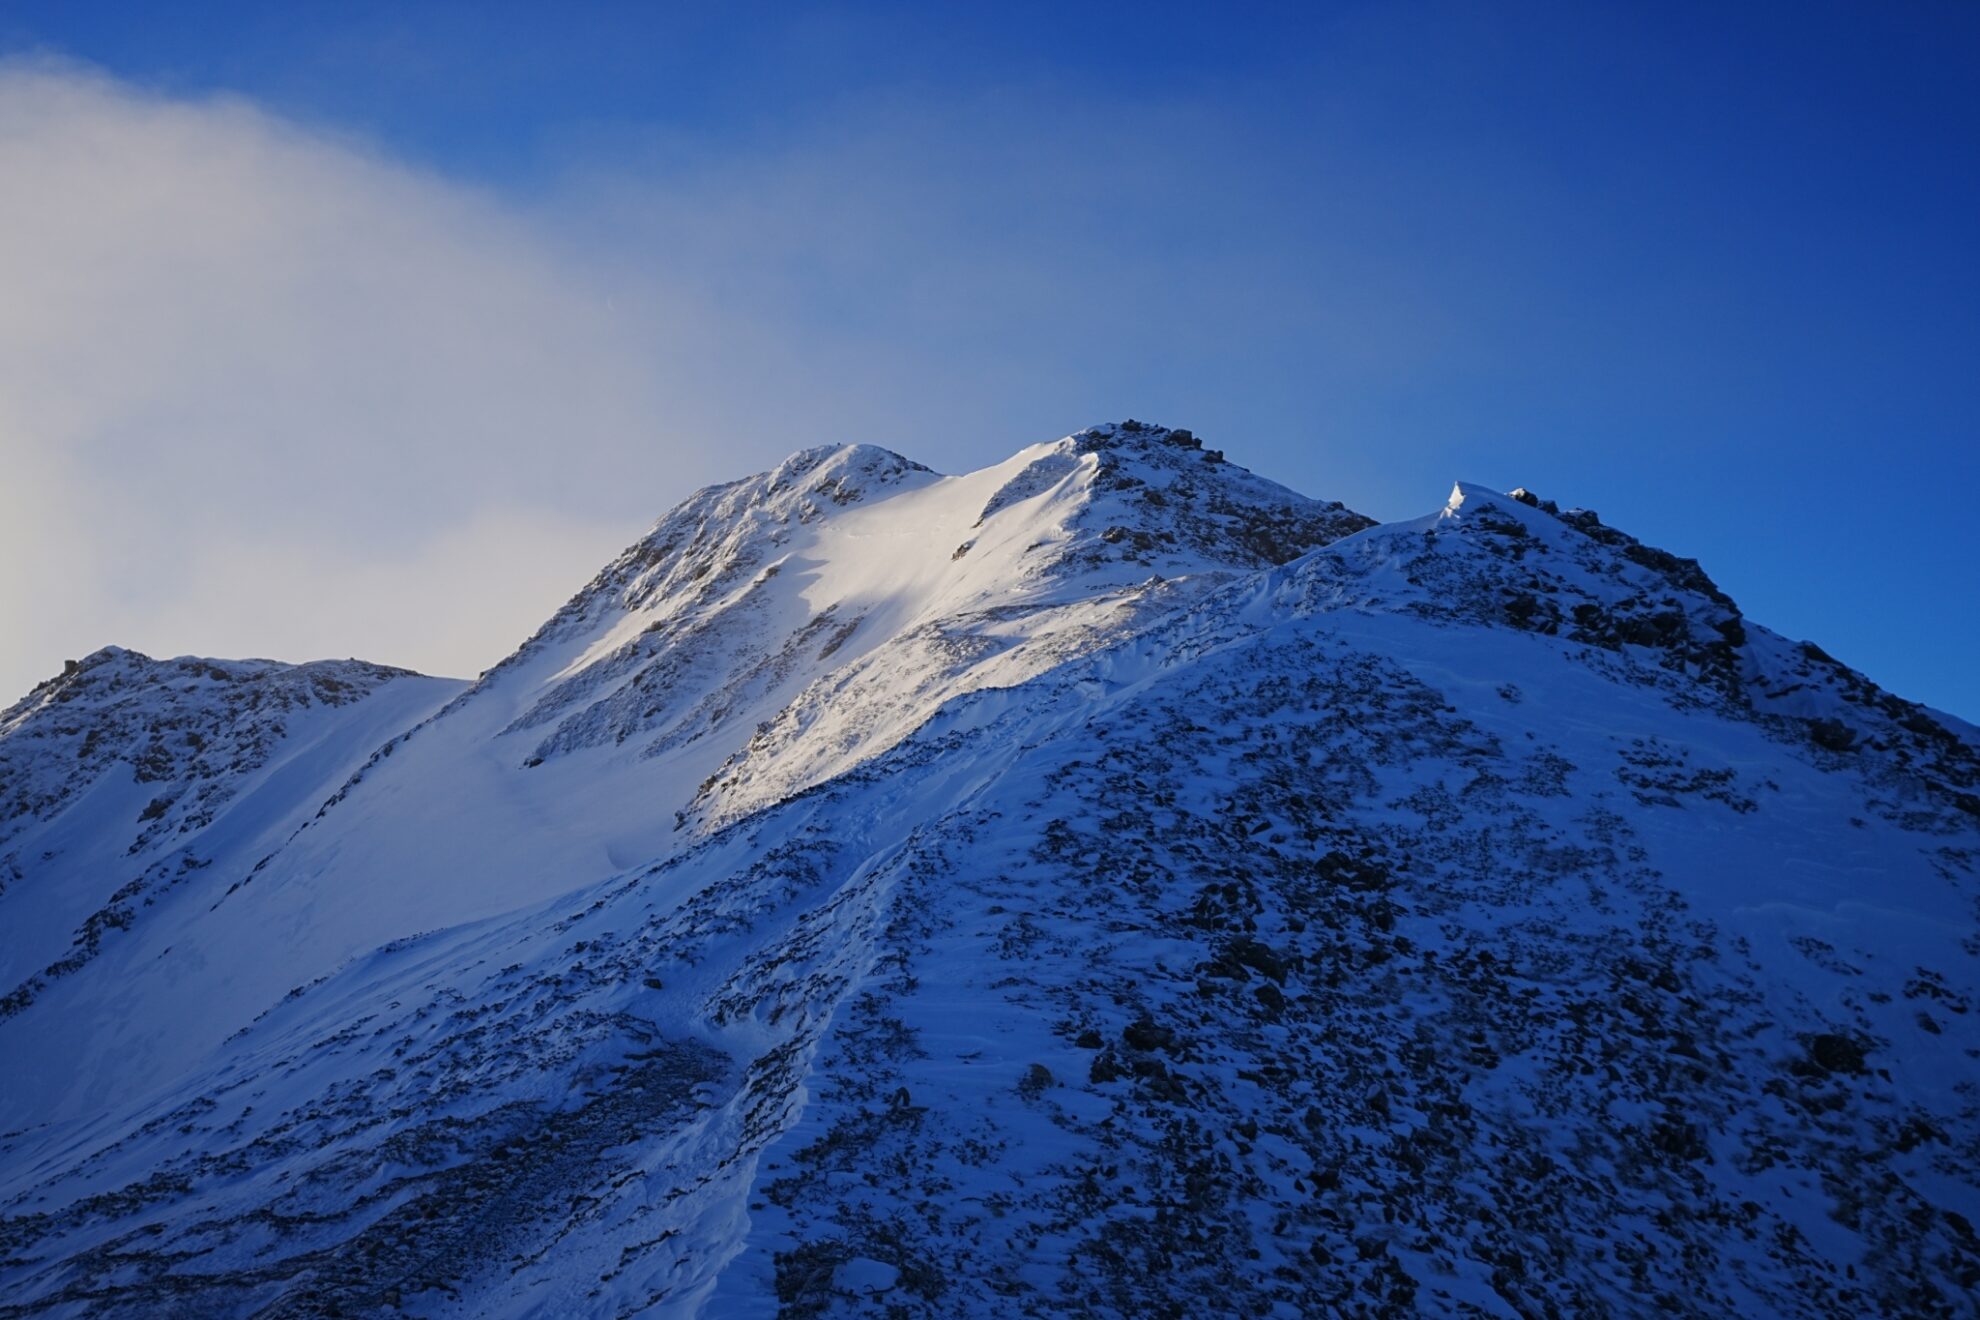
column 1107, row 883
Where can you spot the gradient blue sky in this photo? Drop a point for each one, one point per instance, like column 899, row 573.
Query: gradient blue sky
column 1710, row 270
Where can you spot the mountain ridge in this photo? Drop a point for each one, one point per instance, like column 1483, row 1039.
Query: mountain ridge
column 1476, row 915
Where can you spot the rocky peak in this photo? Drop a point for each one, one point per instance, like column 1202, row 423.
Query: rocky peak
column 188, row 725
column 720, row 536
column 1510, row 560
column 741, row 521
column 1160, row 499
column 811, row 480
column 1521, row 562
column 1132, row 436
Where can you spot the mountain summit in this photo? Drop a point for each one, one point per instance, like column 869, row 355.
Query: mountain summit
column 1106, row 884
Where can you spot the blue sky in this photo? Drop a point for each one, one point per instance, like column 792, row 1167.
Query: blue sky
column 511, row 279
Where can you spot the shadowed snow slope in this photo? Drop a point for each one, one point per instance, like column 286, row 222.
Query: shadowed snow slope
column 1103, row 884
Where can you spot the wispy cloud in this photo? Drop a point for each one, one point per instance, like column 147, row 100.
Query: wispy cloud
column 265, row 388
column 261, row 389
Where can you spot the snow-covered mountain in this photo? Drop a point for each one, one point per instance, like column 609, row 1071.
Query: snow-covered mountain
column 1107, row 883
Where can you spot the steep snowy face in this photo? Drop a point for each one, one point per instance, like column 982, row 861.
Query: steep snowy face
column 776, row 631
column 126, row 778
column 710, row 556
column 845, row 594
column 1064, row 548
column 764, row 637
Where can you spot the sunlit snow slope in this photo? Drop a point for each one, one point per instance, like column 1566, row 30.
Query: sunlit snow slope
column 1103, row 884
column 763, row 637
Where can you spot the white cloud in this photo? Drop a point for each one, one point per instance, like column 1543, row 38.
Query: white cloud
column 470, row 591
column 261, row 391
column 230, row 345
column 268, row 391
column 264, row 390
